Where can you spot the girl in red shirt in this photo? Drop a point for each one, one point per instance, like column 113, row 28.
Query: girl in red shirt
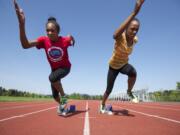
column 55, row 47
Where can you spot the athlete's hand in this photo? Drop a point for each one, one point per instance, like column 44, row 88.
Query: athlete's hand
column 19, row 13
column 72, row 39
column 138, row 6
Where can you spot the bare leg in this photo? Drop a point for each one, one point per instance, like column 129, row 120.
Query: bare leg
column 57, row 100
column 58, row 86
column 131, row 82
column 105, row 96
column 55, row 93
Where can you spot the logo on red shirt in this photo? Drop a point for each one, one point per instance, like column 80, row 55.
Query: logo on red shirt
column 55, row 54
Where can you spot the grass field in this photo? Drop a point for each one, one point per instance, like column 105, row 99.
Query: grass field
column 10, row 99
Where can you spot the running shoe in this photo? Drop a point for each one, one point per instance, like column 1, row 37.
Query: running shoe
column 104, row 110
column 132, row 97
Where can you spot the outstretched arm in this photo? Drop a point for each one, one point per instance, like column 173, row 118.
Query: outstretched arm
column 72, row 39
column 21, row 19
column 124, row 25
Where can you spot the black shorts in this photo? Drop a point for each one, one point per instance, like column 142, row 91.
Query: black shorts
column 127, row 69
column 112, row 74
column 57, row 74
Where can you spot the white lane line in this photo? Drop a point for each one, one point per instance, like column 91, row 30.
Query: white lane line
column 167, row 104
column 89, row 117
column 26, row 114
column 150, row 115
column 23, row 106
column 154, row 107
column 86, row 123
column 163, row 108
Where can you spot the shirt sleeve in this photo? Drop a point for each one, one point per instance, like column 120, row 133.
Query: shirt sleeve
column 40, row 41
column 68, row 40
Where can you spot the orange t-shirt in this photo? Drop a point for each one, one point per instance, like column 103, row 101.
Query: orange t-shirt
column 121, row 52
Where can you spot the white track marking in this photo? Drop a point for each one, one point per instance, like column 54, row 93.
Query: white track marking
column 22, row 106
column 25, row 106
column 154, row 107
column 89, row 117
column 167, row 104
column 163, row 108
column 150, row 115
column 26, row 114
column 86, row 123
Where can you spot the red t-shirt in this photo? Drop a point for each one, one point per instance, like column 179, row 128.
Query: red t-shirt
column 56, row 52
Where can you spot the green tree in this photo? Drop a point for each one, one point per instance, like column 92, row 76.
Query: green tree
column 178, row 86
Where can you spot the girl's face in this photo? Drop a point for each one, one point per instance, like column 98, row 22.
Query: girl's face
column 52, row 32
column 132, row 29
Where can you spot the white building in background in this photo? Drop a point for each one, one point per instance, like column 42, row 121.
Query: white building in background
column 142, row 95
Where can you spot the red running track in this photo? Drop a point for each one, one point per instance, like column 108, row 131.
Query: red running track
column 40, row 118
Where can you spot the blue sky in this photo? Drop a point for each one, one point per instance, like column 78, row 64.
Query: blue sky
column 92, row 23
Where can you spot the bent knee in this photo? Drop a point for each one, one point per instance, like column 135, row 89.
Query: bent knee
column 133, row 74
column 53, row 79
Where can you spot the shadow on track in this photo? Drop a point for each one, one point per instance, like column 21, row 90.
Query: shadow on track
column 73, row 113
column 123, row 112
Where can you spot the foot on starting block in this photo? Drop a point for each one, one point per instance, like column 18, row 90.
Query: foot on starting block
column 109, row 109
column 69, row 110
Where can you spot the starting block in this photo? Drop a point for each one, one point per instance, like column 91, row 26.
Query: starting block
column 72, row 108
column 109, row 108
column 68, row 110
